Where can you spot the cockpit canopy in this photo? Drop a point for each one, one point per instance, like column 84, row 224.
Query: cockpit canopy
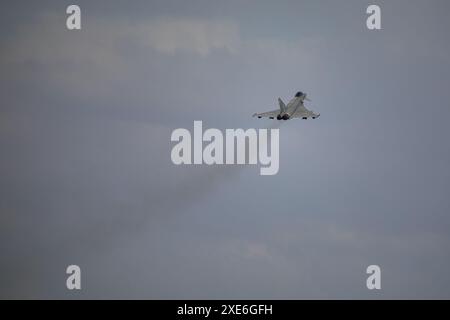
column 299, row 94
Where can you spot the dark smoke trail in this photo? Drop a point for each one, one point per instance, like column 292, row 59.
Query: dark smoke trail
column 160, row 203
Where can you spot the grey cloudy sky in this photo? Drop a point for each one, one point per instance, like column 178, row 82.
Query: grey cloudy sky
column 86, row 175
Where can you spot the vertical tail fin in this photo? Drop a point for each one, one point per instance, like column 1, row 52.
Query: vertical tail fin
column 282, row 105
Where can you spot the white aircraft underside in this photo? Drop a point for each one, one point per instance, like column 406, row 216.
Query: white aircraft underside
column 294, row 109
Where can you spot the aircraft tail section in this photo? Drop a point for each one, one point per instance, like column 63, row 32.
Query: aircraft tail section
column 282, row 105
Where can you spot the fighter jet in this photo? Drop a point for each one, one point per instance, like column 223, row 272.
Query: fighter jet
column 294, row 109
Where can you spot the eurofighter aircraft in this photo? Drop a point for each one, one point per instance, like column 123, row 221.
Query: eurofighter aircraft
column 294, row 109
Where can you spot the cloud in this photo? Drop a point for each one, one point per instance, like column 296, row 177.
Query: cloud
column 198, row 36
column 46, row 39
column 107, row 56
